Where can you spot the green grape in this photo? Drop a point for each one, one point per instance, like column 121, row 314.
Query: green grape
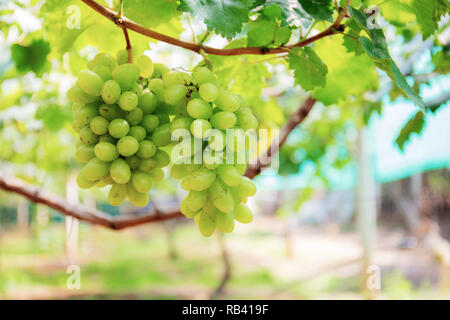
column 227, row 101
column 208, row 91
column 103, row 72
column 126, row 76
column 111, row 92
column 147, row 149
column 180, row 109
column 211, row 159
column 157, row 87
column 95, row 169
column 118, row 128
column 202, row 179
column 217, row 140
column 86, row 113
column 184, row 209
column 137, row 89
column 87, row 136
column 178, row 171
column 159, row 69
column 162, row 158
column 149, row 122
column 103, row 59
column 147, row 165
column 75, row 94
column 241, row 167
column 180, row 123
column 157, row 174
column 201, row 128
column 243, row 214
column 176, row 77
column 78, row 126
column 84, row 153
column 247, row 187
column 192, row 167
column 134, row 116
column 106, row 151
column 107, row 179
column 209, row 206
column 186, row 183
column 128, row 100
column 133, row 161
column 110, row 111
column 221, row 197
column 138, row 132
column 137, row 198
column 117, row 194
column 101, row 183
column 196, row 199
column 122, row 56
column 83, row 183
column 107, row 138
column 242, row 102
column 229, row 174
column 127, row 146
column 223, row 120
column 199, row 109
column 161, row 136
column 246, row 120
column 90, row 82
column 202, row 75
column 225, row 221
column 175, row 94
column 163, row 117
column 120, row 171
column 141, row 181
column 145, row 64
column 147, row 101
column 99, row 125
column 207, row 224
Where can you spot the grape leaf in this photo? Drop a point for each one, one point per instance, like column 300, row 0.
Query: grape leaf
column 309, row 69
column 377, row 50
column 351, row 41
column 318, row 9
column 264, row 32
column 53, row 116
column 32, row 57
column 414, row 125
column 226, row 17
column 289, row 12
column 428, row 13
column 348, row 75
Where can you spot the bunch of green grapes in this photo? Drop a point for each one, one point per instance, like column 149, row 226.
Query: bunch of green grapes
column 217, row 189
column 121, row 126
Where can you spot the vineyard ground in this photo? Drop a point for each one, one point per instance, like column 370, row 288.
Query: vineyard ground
column 135, row 264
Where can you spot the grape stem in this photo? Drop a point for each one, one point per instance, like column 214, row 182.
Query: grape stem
column 336, row 27
column 119, row 21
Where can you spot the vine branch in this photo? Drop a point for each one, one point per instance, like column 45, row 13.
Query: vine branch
column 94, row 216
column 129, row 24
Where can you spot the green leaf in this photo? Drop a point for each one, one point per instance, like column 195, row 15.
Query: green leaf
column 32, row 57
column 428, row 13
column 351, row 40
column 318, row 9
column 377, row 50
column 414, row 125
column 309, row 69
column 289, row 12
column 424, row 10
column 348, row 75
column 226, row 17
column 264, row 32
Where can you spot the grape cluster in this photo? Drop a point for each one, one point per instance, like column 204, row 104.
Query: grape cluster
column 217, row 189
column 121, row 127
column 125, row 113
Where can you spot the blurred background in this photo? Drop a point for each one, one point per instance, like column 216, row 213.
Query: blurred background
column 357, row 207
